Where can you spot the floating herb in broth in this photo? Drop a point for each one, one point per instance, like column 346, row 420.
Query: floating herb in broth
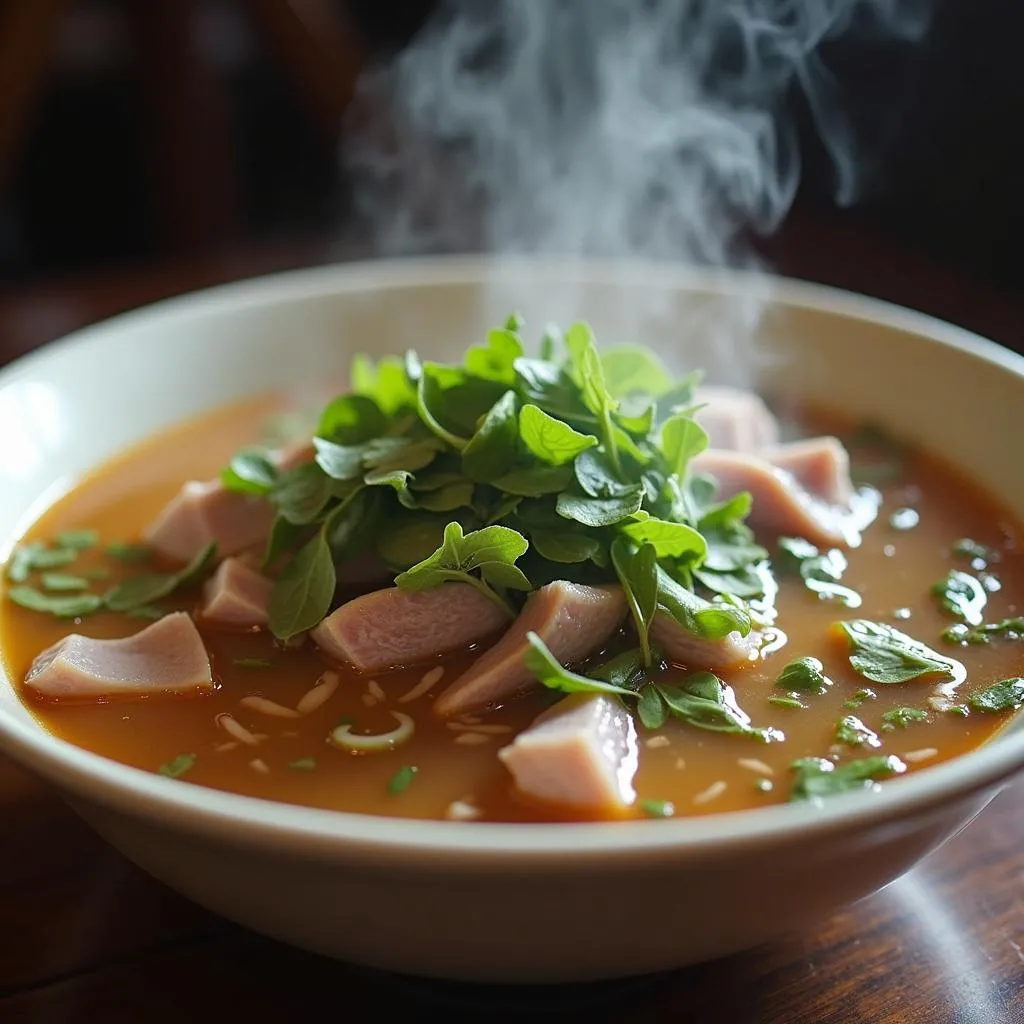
column 732, row 677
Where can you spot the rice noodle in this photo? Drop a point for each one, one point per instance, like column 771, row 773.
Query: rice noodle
column 369, row 700
column 268, row 707
column 657, row 741
column 259, row 766
column 752, row 764
column 235, row 728
column 429, row 679
column 715, row 790
column 924, row 754
column 223, row 748
column 321, row 693
column 461, row 810
column 343, row 736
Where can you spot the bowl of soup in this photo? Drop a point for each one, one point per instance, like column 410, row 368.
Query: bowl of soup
column 516, row 620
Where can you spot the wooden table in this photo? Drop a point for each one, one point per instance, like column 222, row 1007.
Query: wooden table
column 88, row 938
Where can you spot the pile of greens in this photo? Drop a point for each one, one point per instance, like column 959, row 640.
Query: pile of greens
column 506, row 472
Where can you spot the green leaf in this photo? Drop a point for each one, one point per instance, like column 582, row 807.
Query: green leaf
column 859, row 698
column 430, row 400
column 337, row 461
column 129, row 552
column 658, row 808
column 962, row 595
column 178, row 766
column 302, row 596
column 789, row 700
column 1006, row 695
column 883, row 654
column 551, row 440
column 546, row 668
column 588, row 374
column 900, row 718
column 670, row 540
column 284, row 536
column 303, row 764
column 633, row 368
column 250, row 472
column 386, row 454
column 564, row 545
column 302, row 494
column 19, row 566
column 51, row 558
column 854, row 733
column 491, row 451
column 597, row 477
column 402, row 779
column 821, row 572
column 534, row 481
column 146, row 589
column 351, row 420
column 1011, row 629
column 697, row 616
column 496, row 360
column 806, row 675
column 681, row 439
column 598, row 512
column 817, row 777
column 79, row 540
column 980, row 555
column 651, row 709
column 706, row 702
column 63, row 607
column 386, row 382
column 636, row 569
column 62, row 581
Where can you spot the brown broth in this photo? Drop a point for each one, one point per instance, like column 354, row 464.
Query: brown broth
column 892, row 570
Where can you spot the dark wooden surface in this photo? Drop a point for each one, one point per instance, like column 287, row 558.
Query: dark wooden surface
column 87, row 937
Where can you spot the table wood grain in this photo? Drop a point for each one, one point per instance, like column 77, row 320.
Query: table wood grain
column 88, row 937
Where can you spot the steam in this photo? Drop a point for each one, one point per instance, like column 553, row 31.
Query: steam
column 619, row 128
column 653, row 129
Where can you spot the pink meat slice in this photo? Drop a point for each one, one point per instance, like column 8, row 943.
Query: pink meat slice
column 733, row 651
column 204, row 511
column 572, row 619
column 236, row 595
column 735, row 419
column 392, row 627
column 580, row 755
column 780, row 504
column 821, row 465
column 164, row 658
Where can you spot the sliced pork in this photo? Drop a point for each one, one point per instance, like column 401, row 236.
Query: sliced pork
column 581, row 755
column 821, row 465
column 735, row 419
column 237, row 595
column 780, row 504
column 573, row 620
column 733, row 651
column 392, row 627
column 166, row 657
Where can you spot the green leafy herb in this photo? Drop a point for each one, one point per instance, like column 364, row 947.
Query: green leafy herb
column 1006, row 695
column 900, row 718
column 302, row 595
column 817, row 777
column 303, row 764
column 250, row 472
column 21, row 562
column 806, row 675
column 78, row 540
column 860, row 697
column 980, row 555
column 883, row 654
column 789, row 700
column 492, row 552
column 62, row 581
column 178, row 766
column 252, row 663
column 551, row 440
column 549, row 671
column 402, row 779
column 146, row 611
column 143, row 590
column 651, row 708
column 706, row 702
column 637, row 572
column 658, row 808
column 64, row 607
column 1011, row 629
column 820, row 571
column 129, row 552
column 961, row 595
column 52, row 558
column 854, row 733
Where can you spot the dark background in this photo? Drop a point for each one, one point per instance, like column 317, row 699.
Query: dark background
column 88, row 179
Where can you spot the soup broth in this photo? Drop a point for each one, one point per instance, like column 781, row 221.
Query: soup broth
column 449, row 767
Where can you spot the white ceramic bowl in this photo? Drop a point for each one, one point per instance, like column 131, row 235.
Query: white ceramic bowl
column 507, row 902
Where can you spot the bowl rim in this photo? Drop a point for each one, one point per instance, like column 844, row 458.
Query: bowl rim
column 269, row 824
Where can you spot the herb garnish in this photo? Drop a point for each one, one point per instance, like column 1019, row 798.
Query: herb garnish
column 860, row 697
column 1012, row 629
column 303, row 764
column 883, row 654
column 142, row 590
column 817, row 777
column 820, row 571
column 900, row 718
column 78, row 540
column 1006, row 695
column 804, row 674
column 63, row 581
column 402, row 779
column 70, row 606
column 658, row 808
column 961, row 595
column 252, row 663
column 178, row 766
column 854, row 733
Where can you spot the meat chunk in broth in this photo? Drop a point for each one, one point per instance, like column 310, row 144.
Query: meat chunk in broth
column 821, row 465
column 166, row 657
column 580, row 755
column 237, row 595
column 572, row 619
column 733, row 651
column 735, row 419
column 400, row 627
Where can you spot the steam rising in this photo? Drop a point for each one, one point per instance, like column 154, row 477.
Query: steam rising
column 621, row 128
